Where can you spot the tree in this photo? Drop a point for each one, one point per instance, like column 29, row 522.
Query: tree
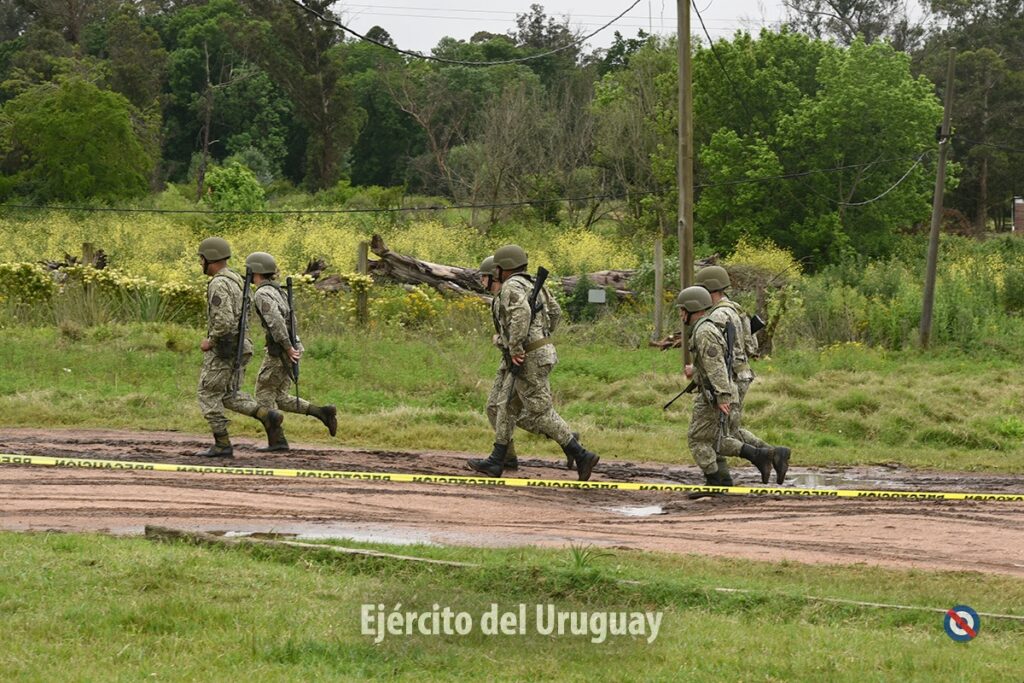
column 389, row 137
column 987, row 95
column 137, row 59
column 71, row 141
column 306, row 58
column 844, row 20
column 871, row 116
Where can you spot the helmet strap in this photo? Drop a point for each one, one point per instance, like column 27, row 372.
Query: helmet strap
column 206, row 264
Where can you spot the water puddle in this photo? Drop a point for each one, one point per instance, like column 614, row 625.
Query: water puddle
column 820, row 480
column 634, row 511
column 305, row 532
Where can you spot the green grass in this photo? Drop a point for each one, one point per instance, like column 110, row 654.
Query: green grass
column 846, row 405
column 79, row 607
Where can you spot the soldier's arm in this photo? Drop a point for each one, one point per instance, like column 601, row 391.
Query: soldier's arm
column 516, row 326
column 223, row 316
column 711, row 347
column 272, row 319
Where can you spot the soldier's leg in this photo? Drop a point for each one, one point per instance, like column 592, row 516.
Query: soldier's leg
column 511, row 461
column 744, row 434
column 539, row 416
column 779, row 455
column 273, row 389
column 243, row 403
column 210, row 394
column 504, row 427
column 701, row 438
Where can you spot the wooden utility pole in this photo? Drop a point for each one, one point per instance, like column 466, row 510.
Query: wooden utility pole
column 362, row 298
column 684, row 173
column 659, row 286
column 940, row 186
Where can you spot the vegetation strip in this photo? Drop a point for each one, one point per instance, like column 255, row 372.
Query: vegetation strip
column 408, row 478
column 881, row 605
column 162, row 533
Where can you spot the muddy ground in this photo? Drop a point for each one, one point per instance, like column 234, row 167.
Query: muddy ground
column 941, row 535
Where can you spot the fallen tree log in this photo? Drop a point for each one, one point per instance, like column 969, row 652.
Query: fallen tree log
column 412, row 271
column 162, row 533
column 409, row 270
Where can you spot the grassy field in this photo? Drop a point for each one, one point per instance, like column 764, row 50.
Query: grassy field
column 844, row 405
column 98, row 608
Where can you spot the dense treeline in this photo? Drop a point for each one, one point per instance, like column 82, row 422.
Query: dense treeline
column 801, row 135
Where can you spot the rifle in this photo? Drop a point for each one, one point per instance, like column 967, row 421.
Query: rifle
column 723, row 419
column 243, row 326
column 293, row 337
column 689, row 389
column 730, row 334
column 538, row 287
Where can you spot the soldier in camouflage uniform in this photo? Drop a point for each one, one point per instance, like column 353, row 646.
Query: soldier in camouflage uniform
column 275, row 377
column 724, row 310
column 713, row 425
column 219, row 379
column 493, row 287
column 532, row 357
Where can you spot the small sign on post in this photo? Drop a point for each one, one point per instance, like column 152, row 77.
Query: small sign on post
column 363, row 268
column 597, row 296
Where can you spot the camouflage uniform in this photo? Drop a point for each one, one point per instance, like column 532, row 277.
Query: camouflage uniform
column 224, row 309
column 532, row 386
column 708, row 443
column 275, row 378
column 496, row 395
column 745, row 347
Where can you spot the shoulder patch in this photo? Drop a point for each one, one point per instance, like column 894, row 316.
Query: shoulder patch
column 215, row 300
column 712, row 352
column 265, row 307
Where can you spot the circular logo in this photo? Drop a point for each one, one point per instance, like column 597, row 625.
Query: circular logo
column 962, row 623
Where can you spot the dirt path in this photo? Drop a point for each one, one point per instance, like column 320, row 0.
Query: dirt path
column 967, row 535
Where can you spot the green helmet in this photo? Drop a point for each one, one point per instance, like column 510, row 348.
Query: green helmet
column 215, row 249
column 261, row 262
column 510, row 257
column 694, row 299
column 487, row 266
column 712, row 278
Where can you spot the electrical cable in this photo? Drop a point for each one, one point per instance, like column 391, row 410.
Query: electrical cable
column 457, row 62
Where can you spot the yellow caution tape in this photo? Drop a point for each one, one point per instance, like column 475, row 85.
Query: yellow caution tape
column 403, row 478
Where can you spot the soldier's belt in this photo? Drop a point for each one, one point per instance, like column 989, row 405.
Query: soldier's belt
column 534, row 345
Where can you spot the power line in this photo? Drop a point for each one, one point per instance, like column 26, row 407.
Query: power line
column 893, row 187
column 457, row 62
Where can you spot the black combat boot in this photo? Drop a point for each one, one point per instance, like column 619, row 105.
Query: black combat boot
column 762, row 459
column 584, row 459
column 221, row 447
column 326, row 414
column 272, row 420
column 511, row 461
column 570, row 464
column 780, row 461
column 494, row 464
column 719, row 478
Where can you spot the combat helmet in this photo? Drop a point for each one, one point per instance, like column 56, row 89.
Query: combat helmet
column 487, row 266
column 261, row 262
column 215, row 249
column 693, row 299
column 510, row 257
column 713, row 278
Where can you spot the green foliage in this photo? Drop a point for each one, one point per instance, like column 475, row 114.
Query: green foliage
column 233, row 187
column 72, row 141
column 25, row 283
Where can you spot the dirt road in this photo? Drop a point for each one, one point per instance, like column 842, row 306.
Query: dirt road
column 947, row 535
